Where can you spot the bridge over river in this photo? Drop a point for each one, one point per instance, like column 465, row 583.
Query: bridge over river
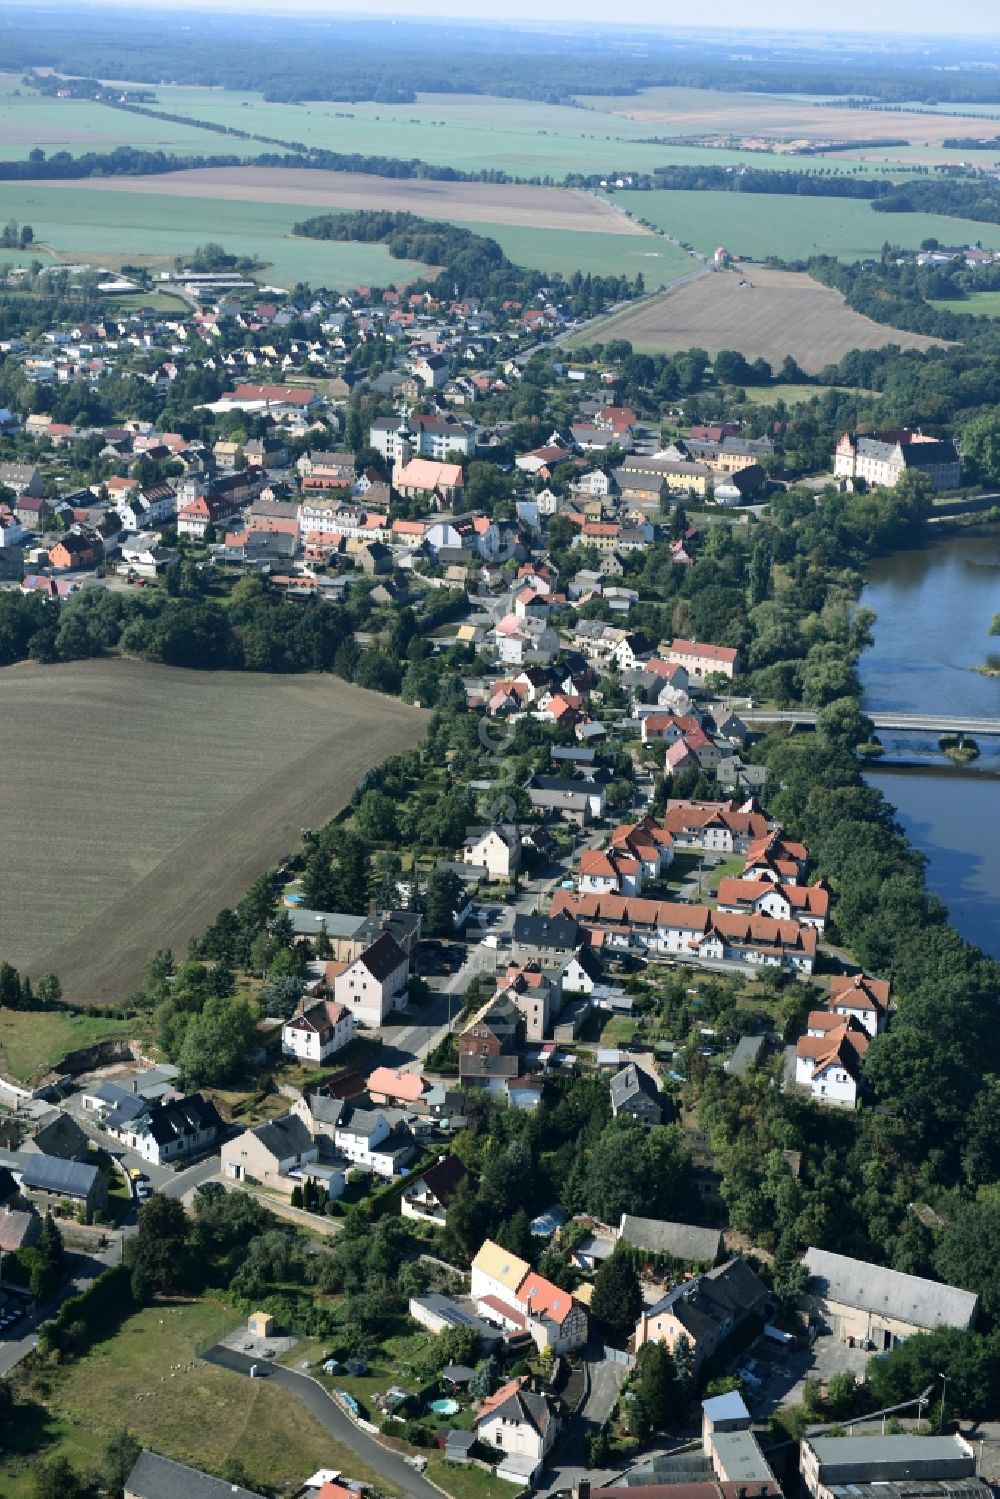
column 927, row 723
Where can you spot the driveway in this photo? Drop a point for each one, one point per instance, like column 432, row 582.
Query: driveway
column 569, row 1466
column 384, row 1460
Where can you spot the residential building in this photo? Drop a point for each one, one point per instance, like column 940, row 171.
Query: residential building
column 428, row 1196
column 807, row 904
column 269, row 1152
column 544, row 939
column 489, row 1046
column 523, row 1425
column 635, row 1096
column 171, row 1130
column 23, row 479
column 497, row 1273
column 702, row 661
column 830, row 1057
column 537, row 996
column 374, row 984
column 882, row 458
column 861, row 998
column 496, row 849
column 877, row 1306
column 553, row 1317
column 391, row 1085
column 706, row 1310
column 316, row 1031
column 46, row 1178
column 577, row 801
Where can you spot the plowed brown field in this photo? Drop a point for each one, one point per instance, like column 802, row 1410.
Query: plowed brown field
column 142, row 799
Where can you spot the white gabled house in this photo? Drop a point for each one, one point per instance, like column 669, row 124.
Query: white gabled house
column 317, row 1030
column 374, row 984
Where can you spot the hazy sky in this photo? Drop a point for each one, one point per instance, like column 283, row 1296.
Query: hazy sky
column 904, row 16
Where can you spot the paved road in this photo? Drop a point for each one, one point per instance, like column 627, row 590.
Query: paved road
column 383, row 1459
column 24, row 1334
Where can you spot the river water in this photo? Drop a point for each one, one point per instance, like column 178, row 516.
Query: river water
column 934, row 608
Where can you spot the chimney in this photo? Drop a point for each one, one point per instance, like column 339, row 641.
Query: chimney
column 581, row 1489
column 372, row 908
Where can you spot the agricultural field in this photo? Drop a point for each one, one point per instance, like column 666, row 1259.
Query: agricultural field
column 125, row 226
column 755, row 225
column 252, row 211
column 780, row 313
column 197, row 1413
column 470, row 132
column 79, row 125
column 785, row 118
column 166, row 797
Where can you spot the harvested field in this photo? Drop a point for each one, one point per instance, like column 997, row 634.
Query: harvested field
column 782, row 312
column 689, row 112
column 477, row 202
column 149, row 797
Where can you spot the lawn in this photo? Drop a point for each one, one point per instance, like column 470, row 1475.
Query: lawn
column 80, row 125
column 116, row 881
column 795, row 395
column 33, row 1041
column 977, row 303
column 147, row 1376
column 116, row 227
column 755, row 225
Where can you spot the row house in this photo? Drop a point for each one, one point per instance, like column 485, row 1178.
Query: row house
column 609, row 872
column 676, row 929
column 776, row 858
column 807, row 904
column 702, row 661
column 503, row 1284
column 648, row 842
column 716, row 827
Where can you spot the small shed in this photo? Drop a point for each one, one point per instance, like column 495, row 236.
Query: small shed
column 260, row 1325
column 458, row 1446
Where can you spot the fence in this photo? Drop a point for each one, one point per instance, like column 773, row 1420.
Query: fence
column 619, row 1356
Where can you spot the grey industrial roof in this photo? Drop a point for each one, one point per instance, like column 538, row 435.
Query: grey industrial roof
column 307, row 923
column 49, row 1173
column 740, row 1457
column 683, row 1241
column 908, row 1448
column 889, row 1293
column 155, row 1477
column 728, row 1407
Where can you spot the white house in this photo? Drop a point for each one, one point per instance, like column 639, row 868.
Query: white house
column 521, row 1424
column 375, row 983
column 315, row 1033
column 360, row 1134
column 497, row 848
column 554, row 1319
column 427, row 1198
column 497, row 1273
column 829, row 1059
column 179, row 1128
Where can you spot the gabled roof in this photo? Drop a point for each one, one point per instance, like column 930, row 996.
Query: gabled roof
column 682, row 1241
column 630, row 1083
column 284, row 1137
column 155, row 1477
column 888, row 1293
column 499, row 1264
column 544, row 1300
column 512, row 1402
column 394, row 1083
column 50, row 1174
column 383, row 957
column 444, row 1178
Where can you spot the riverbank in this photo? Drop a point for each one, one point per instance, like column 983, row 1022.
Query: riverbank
column 934, row 606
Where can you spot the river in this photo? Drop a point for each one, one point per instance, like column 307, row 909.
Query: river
column 934, row 608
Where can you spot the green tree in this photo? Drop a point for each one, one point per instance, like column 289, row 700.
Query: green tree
column 10, row 986
column 967, row 1252
column 617, row 1299
column 217, row 1041
column 55, row 1478
column 485, row 1378
column 659, row 1387
column 120, row 1455
column 156, row 1254
column 49, row 989
column 443, row 893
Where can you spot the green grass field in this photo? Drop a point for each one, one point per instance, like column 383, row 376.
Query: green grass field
column 792, row 227
column 660, row 262
column 118, row 227
column 978, row 303
column 795, row 395
column 33, row 1041
column 200, row 1415
column 469, row 131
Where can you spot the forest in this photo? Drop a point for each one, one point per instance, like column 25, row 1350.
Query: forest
column 294, row 59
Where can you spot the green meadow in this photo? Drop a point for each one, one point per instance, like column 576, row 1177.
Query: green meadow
column 112, row 228
column 569, row 250
column 756, row 225
column 977, row 303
